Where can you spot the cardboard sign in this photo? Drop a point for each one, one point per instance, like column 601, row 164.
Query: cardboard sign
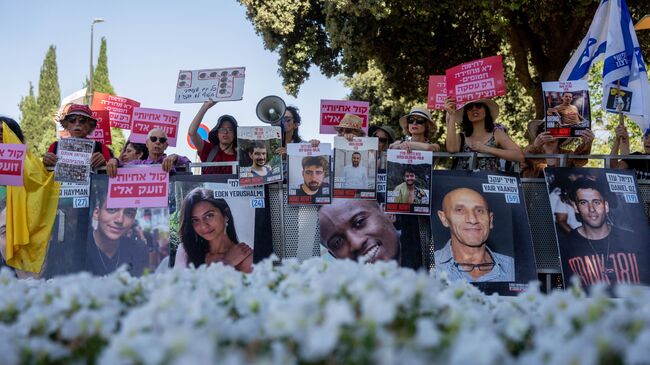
column 12, row 158
column 622, row 98
column 332, row 111
column 309, row 174
column 409, row 182
column 355, row 168
column 218, row 84
column 120, row 109
column 73, row 160
column 566, row 107
column 437, row 92
column 258, row 162
column 102, row 132
column 145, row 119
column 476, row 80
column 142, row 187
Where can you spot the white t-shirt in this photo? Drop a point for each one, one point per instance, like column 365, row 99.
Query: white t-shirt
column 355, row 177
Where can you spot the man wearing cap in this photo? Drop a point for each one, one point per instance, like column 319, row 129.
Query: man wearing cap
column 79, row 122
column 622, row 145
column 221, row 145
column 419, row 127
column 350, row 126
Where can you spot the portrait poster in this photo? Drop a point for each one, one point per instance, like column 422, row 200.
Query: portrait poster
column 355, row 168
column 309, row 173
column 249, row 209
column 258, row 161
column 218, row 84
column 73, row 160
column 120, row 109
column 475, row 80
column 142, row 187
column 146, row 119
column 482, row 214
column 601, row 227
column 333, row 111
column 620, row 99
column 12, row 159
column 437, row 92
column 566, row 107
column 408, row 182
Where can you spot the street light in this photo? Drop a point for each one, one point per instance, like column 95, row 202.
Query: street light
column 90, row 85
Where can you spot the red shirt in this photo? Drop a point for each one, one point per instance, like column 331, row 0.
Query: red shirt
column 219, row 157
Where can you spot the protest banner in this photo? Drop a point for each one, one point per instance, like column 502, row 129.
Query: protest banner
column 120, row 109
column 437, row 92
column 566, row 107
column 146, row 119
column 601, row 227
column 476, row 80
column 408, row 182
column 620, row 96
column 482, row 214
column 12, row 159
column 309, row 173
column 332, row 111
column 102, row 132
column 355, row 168
column 73, row 160
column 218, row 84
column 258, row 162
column 144, row 187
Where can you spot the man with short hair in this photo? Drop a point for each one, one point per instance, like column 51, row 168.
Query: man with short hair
column 599, row 251
column 314, row 171
column 408, row 191
column 466, row 255
column 258, row 154
column 568, row 113
column 355, row 175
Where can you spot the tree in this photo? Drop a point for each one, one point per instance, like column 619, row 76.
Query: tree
column 101, row 83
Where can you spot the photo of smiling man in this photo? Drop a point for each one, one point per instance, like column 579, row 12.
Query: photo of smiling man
column 258, row 163
column 309, row 173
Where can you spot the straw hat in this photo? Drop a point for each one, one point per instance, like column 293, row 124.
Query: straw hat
column 492, row 106
column 418, row 112
column 350, row 121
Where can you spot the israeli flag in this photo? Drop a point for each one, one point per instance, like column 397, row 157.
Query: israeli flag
column 612, row 38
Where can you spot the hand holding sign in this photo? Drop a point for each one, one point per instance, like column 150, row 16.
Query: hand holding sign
column 475, row 80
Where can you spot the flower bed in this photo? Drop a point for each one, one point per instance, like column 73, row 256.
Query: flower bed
column 316, row 312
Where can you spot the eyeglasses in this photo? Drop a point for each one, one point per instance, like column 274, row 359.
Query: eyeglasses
column 225, row 130
column 418, row 121
column 465, row 267
column 155, row 139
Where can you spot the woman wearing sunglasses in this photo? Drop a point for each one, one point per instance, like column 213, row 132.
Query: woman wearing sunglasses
column 419, row 127
column 478, row 134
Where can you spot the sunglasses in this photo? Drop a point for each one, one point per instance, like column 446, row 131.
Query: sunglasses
column 155, row 139
column 225, row 130
column 77, row 120
column 418, row 121
column 471, row 106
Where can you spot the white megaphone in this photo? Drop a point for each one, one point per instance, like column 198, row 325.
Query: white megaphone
column 271, row 109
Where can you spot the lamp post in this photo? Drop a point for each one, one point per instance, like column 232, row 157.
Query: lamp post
column 90, row 84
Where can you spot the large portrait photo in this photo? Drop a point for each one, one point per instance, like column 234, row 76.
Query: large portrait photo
column 567, row 108
column 258, row 161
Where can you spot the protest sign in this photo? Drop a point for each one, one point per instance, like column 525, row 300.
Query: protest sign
column 355, row 168
column 258, row 162
column 73, row 160
column 408, row 182
column 601, row 227
column 476, row 80
column 482, row 214
column 309, row 173
column 332, row 111
column 102, row 132
column 566, row 107
column 621, row 96
column 218, row 84
column 120, row 109
column 437, row 92
column 12, row 158
column 146, row 119
column 144, row 187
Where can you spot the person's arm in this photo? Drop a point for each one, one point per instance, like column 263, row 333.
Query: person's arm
column 419, row 146
column 174, row 160
column 193, row 131
column 561, row 219
column 453, row 139
column 49, row 158
column 587, row 138
column 507, row 149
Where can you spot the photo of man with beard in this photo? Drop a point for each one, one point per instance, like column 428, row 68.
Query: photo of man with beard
column 258, row 155
column 315, row 173
column 355, row 174
column 408, row 191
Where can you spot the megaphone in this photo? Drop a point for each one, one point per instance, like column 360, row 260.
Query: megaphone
column 271, row 109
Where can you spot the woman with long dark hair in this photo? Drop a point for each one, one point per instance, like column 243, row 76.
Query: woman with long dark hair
column 479, row 134
column 208, row 234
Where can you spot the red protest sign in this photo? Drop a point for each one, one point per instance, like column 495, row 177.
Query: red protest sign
column 146, row 119
column 120, row 109
column 12, row 158
column 437, row 92
column 476, row 80
column 102, row 132
column 332, row 111
column 144, row 187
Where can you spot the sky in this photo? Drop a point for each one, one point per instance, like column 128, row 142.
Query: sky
column 148, row 43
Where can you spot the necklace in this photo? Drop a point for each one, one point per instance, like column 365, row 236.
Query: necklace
column 101, row 257
column 605, row 271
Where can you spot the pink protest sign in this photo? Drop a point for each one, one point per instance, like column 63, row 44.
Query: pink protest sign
column 145, row 119
column 120, row 108
column 142, row 187
column 102, row 132
column 12, row 158
column 332, row 111
column 476, row 80
column 437, row 92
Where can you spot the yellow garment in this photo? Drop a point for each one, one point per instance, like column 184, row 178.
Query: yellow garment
column 31, row 210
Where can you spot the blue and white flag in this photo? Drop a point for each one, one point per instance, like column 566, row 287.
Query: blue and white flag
column 612, row 38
